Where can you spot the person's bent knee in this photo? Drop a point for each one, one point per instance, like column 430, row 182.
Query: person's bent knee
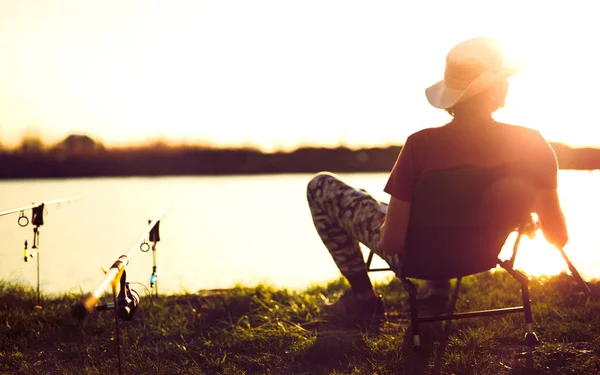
column 317, row 182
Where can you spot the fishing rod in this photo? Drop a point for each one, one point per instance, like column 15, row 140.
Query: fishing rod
column 37, row 220
column 126, row 302
column 115, row 272
column 32, row 205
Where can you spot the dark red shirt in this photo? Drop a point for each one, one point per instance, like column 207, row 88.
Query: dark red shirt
column 482, row 144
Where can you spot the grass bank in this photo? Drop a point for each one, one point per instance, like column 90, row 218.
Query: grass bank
column 264, row 330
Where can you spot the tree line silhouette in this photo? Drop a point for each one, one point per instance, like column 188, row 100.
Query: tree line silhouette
column 80, row 156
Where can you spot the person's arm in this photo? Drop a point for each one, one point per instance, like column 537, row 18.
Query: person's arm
column 552, row 221
column 395, row 227
column 400, row 184
column 546, row 203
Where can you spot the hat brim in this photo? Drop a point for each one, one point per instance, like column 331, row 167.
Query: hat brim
column 441, row 96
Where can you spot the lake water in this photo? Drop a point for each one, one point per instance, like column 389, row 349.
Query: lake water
column 223, row 231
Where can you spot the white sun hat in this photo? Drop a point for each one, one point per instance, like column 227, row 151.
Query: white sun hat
column 471, row 67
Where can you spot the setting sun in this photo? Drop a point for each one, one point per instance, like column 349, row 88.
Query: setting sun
column 555, row 91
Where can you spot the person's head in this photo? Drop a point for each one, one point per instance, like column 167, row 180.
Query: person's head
column 475, row 80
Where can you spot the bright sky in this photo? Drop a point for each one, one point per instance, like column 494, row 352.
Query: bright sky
column 280, row 74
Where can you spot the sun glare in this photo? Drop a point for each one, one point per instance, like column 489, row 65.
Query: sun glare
column 536, row 257
column 553, row 92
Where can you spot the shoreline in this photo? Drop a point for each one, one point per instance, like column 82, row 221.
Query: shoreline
column 197, row 161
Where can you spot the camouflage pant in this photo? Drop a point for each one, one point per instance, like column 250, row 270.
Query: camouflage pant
column 343, row 217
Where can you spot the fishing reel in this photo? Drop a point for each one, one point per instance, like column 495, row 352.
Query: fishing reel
column 128, row 301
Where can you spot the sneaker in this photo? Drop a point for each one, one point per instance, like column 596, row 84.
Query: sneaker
column 355, row 310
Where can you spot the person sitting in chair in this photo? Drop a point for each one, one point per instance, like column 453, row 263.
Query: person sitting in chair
column 475, row 85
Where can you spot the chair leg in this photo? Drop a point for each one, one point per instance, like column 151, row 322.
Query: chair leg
column 414, row 311
column 530, row 336
column 456, row 290
column 369, row 260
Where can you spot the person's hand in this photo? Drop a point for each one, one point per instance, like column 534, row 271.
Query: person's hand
column 530, row 227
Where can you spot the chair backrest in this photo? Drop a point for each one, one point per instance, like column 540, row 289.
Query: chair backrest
column 460, row 220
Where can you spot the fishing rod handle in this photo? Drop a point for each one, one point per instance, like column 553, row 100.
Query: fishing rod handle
column 89, row 301
column 81, row 309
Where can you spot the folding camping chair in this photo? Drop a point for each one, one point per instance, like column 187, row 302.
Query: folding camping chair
column 459, row 222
